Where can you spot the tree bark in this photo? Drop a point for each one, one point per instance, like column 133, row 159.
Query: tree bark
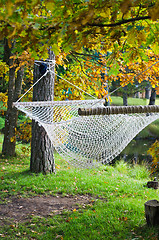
column 14, row 90
column 152, row 212
column 42, row 158
column 147, row 92
column 125, row 96
column 153, row 97
column 152, row 184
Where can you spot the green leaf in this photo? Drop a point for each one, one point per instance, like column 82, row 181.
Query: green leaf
column 155, row 48
column 55, row 49
column 114, row 70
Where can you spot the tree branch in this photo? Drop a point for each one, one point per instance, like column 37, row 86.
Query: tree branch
column 83, row 55
column 124, row 21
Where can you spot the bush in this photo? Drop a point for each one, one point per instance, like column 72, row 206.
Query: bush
column 154, row 152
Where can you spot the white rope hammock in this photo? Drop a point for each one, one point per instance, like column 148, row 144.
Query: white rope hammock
column 87, row 141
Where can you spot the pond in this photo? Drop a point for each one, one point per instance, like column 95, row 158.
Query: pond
column 136, row 151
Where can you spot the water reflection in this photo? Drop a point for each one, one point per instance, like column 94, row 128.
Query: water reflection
column 136, row 151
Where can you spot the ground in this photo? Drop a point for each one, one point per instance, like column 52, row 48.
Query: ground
column 19, row 209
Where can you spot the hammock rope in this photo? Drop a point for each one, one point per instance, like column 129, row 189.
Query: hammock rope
column 47, row 71
column 86, row 133
column 86, row 141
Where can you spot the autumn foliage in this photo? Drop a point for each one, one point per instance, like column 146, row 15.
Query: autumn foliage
column 154, row 152
column 95, row 42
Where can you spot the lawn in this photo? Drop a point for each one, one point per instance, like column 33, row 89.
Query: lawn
column 115, row 209
column 132, row 101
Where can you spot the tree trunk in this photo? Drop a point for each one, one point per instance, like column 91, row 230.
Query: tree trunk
column 107, row 102
column 147, row 92
column 125, row 96
column 152, row 184
column 152, row 212
column 137, row 94
column 42, row 158
column 14, row 90
column 153, row 97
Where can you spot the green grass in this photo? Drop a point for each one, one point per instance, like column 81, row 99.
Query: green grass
column 117, row 212
column 154, row 128
column 151, row 130
column 131, row 101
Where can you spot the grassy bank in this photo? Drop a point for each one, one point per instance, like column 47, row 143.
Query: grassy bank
column 116, row 210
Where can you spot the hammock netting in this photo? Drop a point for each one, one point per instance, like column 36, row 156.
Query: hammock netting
column 86, row 141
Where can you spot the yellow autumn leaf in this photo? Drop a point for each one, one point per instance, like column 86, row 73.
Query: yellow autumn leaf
column 142, row 36
column 23, row 33
column 84, row 21
column 110, row 99
column 13, row 139
column 105, row 13
column 153, row 85
column 50, row 6
column 131, row 37
column 19, row 1
column 13, row 32
column 155, row 48
column 9, row 8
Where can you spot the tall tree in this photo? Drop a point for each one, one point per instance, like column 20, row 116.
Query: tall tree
column 14, row 90
column 42, row 158
column 125, row 27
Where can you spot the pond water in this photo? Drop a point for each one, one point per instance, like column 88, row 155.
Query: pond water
column 136, row 151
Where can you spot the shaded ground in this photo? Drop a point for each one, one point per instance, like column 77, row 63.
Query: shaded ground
column 21, row 209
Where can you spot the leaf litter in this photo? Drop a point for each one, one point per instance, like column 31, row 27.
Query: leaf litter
column 19, row 209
